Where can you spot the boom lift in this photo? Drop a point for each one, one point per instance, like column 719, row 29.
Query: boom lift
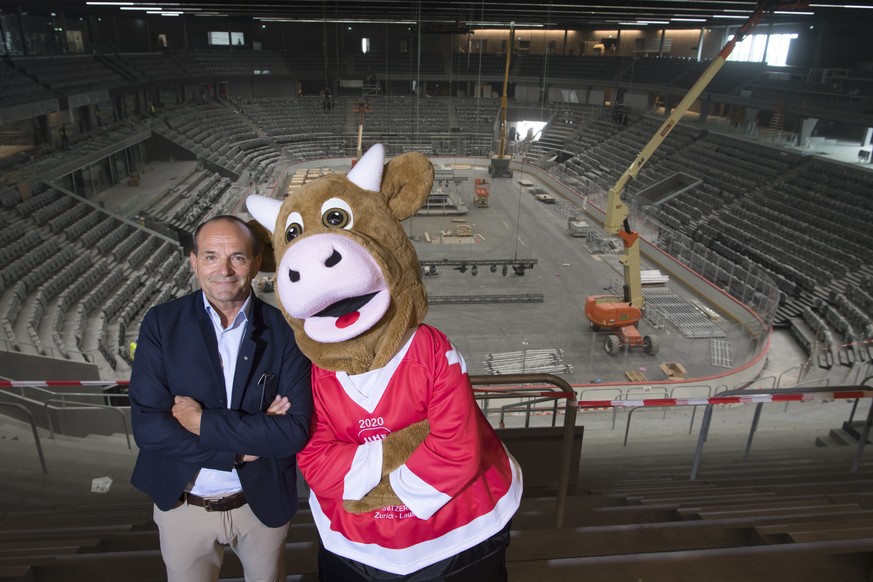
column 620, row 315
column 499, row 167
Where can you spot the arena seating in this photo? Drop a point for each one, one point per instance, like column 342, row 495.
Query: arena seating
column 68, row 74
column 211, row 63
column 63, row 262
column 16, row 87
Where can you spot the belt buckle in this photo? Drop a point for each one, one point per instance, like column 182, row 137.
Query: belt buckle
column 214, row 504
column 223, row 504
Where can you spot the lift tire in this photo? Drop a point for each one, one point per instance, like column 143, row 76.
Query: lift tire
column 651, row 344
column 612, row 344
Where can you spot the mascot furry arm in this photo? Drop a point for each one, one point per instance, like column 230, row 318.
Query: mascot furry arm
column 404, row 469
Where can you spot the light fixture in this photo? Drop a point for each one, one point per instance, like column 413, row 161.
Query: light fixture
column 474, row 271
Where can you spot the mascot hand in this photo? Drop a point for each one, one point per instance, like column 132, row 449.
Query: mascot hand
column 380, row 496
column 398, row 446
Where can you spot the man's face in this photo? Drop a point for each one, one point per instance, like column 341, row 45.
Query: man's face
column 224, row 263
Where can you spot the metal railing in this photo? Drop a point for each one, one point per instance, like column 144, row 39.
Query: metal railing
column 522, row 385
column 782, row 395
column 27, row 413
column 757, row 397
column 88, row 405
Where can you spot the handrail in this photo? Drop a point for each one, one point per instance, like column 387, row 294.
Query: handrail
column 759, row 397
column 566, row 391
column 528, row 405
column 781, row 395
column 865, row 432
column 635, row 408
column 87, row 404
column 24, row 409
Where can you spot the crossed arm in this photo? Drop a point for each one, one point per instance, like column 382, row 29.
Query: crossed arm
column 189, row 412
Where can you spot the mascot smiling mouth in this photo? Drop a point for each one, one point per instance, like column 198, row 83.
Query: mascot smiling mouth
column 346, row 311
column 347, row 318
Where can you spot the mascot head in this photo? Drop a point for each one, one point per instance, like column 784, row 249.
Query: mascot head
column 347, row 277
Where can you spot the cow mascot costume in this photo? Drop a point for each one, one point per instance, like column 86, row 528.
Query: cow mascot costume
column 408, row 479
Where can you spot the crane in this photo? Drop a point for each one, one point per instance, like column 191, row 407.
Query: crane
column 499, row 167
column 621, row 315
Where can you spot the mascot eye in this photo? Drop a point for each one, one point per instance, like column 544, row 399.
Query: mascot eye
column 293, row 226
column 293, row 231
column 336, row 218
column 336, row 213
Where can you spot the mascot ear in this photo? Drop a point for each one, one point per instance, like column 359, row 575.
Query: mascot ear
column 268, row 259
column 264, row 210
column 407, row 182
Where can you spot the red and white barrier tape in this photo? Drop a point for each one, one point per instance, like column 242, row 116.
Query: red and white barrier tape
column 56, row 383
column 751, row 399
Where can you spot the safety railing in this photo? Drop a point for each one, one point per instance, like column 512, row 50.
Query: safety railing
column 48, row 388
column 531, row 386
column 756, row 397
column 77, row 403
column 29, row 416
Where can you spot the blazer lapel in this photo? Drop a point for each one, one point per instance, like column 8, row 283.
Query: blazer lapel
column 248, row 354
column 207, row 331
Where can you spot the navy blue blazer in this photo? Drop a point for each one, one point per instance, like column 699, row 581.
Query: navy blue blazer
column 177, row 354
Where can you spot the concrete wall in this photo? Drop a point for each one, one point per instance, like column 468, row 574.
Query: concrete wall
column 16, row 366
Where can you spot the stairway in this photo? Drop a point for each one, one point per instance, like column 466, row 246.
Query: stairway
column 776, row 122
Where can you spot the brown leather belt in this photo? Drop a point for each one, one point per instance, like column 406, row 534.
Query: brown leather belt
column 227, row 503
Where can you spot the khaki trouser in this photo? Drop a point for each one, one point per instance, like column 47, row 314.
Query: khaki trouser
column 193, row 540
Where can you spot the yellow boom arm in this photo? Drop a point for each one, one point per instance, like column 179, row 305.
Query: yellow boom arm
column 616, row 210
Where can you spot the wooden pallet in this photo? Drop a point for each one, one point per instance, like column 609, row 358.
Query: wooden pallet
column 636, row 376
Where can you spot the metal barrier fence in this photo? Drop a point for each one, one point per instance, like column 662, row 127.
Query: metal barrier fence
column 757, row 397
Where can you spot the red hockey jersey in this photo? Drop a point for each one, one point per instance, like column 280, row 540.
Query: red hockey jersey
column 458, row 488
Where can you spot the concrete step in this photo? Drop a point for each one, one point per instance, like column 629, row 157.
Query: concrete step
column 847, row 561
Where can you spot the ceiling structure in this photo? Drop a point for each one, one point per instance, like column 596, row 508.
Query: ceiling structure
column 460, row 15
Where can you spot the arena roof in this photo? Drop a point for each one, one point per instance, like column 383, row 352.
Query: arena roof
column 460, row 15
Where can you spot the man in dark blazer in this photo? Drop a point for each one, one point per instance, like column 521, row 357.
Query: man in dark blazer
column 220, row 404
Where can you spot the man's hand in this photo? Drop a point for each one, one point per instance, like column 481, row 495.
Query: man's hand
column 279, row 406
column 188, row 412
